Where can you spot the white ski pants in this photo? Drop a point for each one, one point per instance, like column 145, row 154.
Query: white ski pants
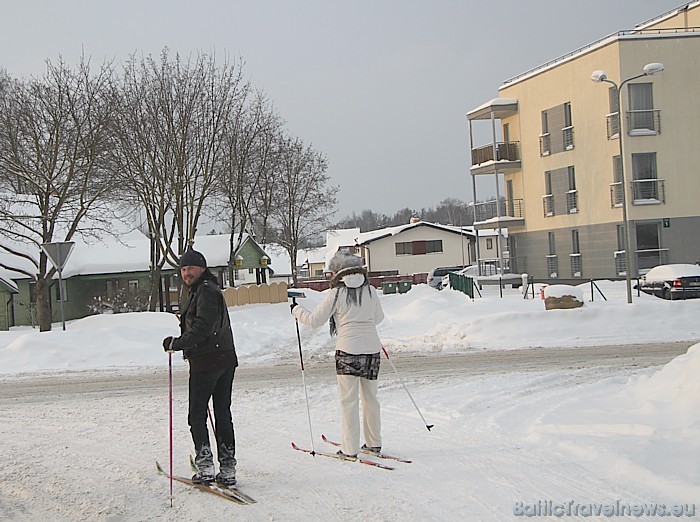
column 350, row 390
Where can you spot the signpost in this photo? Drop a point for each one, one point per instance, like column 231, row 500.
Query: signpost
column 58, row 254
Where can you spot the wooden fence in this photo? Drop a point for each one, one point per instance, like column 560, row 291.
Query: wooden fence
column 253, row 294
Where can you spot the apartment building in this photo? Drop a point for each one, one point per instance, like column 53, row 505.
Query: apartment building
column 556, row 134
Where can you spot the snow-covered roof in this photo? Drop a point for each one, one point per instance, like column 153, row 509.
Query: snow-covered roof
column 7, row 282
column 279, row 259
column 368, row 237
column 311, row 256
column 335, row 239
column 497, row 106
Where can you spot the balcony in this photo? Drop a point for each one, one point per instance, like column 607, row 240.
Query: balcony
column 575, row 264
column 507, row 158
column 620, row 263
column 545, row 144
column 568, row 137
column 616, row 194
column 648, row 191
column 649, row 258
column 572, row 201
column 644, row 122
column 612, row 123
column 552, row 266
column 548, row 204
column 486, row 214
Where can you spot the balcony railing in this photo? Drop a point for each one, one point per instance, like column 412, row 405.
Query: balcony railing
column 648, row 191
column 575, row 262
column 568, row 137
column 612, row 122
column 620, row 263
column 644, row 122
column 548, row 204
column 545, row 144
column 508, row 208
column 616, row 194
column 504, row 152
column 552, row 266
column 649, row 258
column 572, row 201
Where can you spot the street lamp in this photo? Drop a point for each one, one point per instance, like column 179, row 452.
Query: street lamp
column 599, row 76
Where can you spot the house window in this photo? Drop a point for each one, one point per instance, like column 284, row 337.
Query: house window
column 616, row 185
column 568, row 130
column 641, row 113
column 545, row 141
column 133, row 287
column 551, row 243
column 548, row 198
column 418, row 247
column 506, row 132
column 489, row 243
column 572, row 194
column 649, row 251
column 403, row 249
column 645, row 184
column 575, row 257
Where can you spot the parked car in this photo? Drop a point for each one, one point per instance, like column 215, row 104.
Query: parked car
column 473, row 271
column 672, row 281
column 436, row 274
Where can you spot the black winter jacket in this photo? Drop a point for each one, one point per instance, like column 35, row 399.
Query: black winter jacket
column 204, row 323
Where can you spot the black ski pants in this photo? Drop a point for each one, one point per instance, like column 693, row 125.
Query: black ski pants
column 217, row 384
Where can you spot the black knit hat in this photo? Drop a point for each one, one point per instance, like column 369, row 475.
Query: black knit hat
column 193, row 258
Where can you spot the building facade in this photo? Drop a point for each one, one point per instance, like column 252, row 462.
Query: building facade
column 554, row 144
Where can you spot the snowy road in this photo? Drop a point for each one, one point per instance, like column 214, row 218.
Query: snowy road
column 82, row 446
column 410, row 366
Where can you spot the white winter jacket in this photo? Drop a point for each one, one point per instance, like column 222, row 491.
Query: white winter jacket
column 357, row 332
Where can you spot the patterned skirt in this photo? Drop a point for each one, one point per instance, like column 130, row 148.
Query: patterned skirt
column 365, row 365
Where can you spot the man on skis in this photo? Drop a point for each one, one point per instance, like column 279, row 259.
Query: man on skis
column 206, row 340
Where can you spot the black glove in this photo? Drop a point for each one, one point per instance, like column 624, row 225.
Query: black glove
column 168, row 343
column 291, row 306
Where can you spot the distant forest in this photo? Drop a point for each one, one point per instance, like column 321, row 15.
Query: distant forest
column 450, row 211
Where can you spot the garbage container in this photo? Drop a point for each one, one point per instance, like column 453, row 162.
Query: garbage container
column 389, row 287
column 404, row 286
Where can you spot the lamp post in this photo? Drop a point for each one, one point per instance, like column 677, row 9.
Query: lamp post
column 599, row 76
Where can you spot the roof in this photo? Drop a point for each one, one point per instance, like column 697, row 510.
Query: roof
column 6, row 282
column 368, row 237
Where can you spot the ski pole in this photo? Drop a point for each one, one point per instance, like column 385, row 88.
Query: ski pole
column 406, row 388
column 170, row 400
column 303, row 377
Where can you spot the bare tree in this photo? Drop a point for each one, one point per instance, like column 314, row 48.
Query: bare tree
column 175, row 119
column 53, row 142
column 306, row 201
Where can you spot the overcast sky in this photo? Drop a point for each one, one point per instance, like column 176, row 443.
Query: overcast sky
column 381, row 87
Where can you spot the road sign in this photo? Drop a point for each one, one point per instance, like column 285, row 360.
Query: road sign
column 58, row 253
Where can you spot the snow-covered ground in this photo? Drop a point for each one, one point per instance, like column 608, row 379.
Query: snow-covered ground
column 504, row 442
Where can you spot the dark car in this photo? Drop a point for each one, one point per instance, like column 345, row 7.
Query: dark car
column 672, row 281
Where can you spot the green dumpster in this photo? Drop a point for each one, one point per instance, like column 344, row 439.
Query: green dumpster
column 404, row 286
column 389, row 287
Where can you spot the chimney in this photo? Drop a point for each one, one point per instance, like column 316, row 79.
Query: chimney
column 415, row 220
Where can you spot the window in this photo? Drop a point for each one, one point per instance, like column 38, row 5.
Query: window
column 552, row 244
column 489, row 243
column 575, row 246
column 403, row 249
column 418, row 247
column 575, row 257
column 645, row 184
column 568, row 130
column 506, row 132
column 649, row 252
column 641, row 113
column 133, row 287
column 616, row 185
column 572, row 194
column 545, row 141
column 548, row 198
